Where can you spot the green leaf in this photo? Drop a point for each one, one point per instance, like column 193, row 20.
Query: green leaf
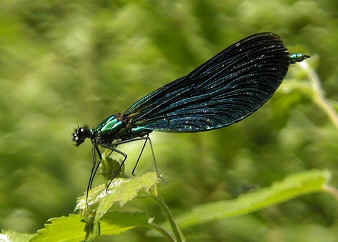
column 118, row 222
column 72, row 227
column 110, row 166
column 123, row 190
column 62, row 229
column 10, row 236
column 120, row 192
column 291, row 187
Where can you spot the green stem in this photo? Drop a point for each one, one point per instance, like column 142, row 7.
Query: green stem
column 319, row 97
column 177, row 231
column 93, row 230
column 333, row 191
column 162, row 231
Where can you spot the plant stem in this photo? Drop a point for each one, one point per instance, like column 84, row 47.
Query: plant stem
column 333, row 191
column 162, row 231
column 318, row 95
column 177, row 231
column 93, row 230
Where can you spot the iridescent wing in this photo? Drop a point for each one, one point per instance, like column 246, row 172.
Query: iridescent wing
column 224, row 90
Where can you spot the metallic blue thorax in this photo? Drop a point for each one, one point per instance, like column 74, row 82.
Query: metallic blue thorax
column 109, row 124
column 113, row 128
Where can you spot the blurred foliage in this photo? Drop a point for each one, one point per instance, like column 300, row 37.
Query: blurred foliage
column 68, row 63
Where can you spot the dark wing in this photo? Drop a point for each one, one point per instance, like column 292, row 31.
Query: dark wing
column 224, row 90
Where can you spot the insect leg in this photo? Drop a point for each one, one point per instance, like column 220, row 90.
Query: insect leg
column 147, row 138
column 113, row 149
column 129, row 140
column 139, row 156
column 154, row 158
column 122, row 163
column 96, row 165
column 91, row 173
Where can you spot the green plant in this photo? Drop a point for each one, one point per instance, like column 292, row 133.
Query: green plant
column 108, row 212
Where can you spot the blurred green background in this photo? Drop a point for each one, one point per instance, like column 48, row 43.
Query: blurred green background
column 69, row 63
